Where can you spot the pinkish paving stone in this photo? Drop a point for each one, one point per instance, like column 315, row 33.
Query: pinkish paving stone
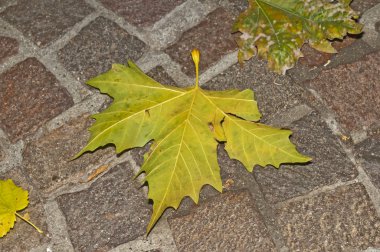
column 228, row 222
column 212, row 37
column 44, row 21
column 112, row 211
column 8, row 48
column 343, row 219
column 352, row 92
column 47, row 159
column 23, row 237
column 141, row 12
column 29, row 96
column 97, row 47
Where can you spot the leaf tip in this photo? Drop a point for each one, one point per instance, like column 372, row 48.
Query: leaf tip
column 195, row 54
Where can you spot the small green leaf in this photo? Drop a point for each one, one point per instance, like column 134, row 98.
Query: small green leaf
column 276, row 29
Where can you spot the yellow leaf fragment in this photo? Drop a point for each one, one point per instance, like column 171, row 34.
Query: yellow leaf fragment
column 12, row 199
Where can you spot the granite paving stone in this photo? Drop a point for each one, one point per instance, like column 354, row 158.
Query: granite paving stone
column 368, row 152
column 138, row 13
column 97, row 47
column 47, row 159
column 23, row 237
column 343, row 219
column 233, row 173
column 8, row 48
column 160, row 75
column 44, row 21
column 29, row 96
column 362, row 6
column 6, row 3
column 2, row 154
column 329, row 165
column 212, row 37
column 112, row 211
column 345, row 90
column 228, row 222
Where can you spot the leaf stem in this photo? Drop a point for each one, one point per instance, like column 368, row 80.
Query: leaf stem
column 195, row 54
column 39, row 230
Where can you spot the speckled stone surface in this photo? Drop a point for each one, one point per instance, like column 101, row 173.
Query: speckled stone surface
column 343, row 219
column 345, row 90
column 112, row 211
column 228, row 222
column 329, row 165
column 23, row 237
column 137, row 13
column 160, row 75
column 212, row 37
column 47, row 159
column 368, row 152
column 44, row 21
column 362, row 6
column 97, row 47
column 2, row 154
column 8, row 48
column 29, row 96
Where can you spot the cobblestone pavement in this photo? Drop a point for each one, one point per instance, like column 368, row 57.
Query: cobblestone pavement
column 49, row 48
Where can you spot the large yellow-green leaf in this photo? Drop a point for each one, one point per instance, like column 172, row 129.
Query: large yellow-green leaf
column 277, row 29
column 186, row 125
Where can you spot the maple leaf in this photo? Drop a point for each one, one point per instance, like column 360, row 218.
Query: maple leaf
column 186, row 125
column 276, row 29
column 12, row 199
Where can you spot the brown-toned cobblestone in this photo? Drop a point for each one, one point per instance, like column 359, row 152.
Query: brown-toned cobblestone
column 351, row 91
column 8, row 48
column 343, row 219
column 44, row 21
column 112, row 211
column 47, row 160
column 212, row 37
column 29, row 96
column 97, row 47
column 228, row 222
column 138, row 13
